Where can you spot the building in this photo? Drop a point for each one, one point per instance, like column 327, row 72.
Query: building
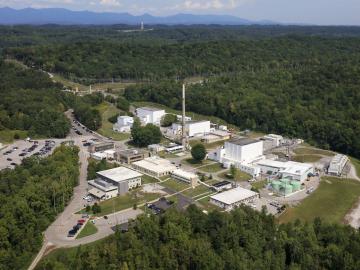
column 289, row 169
column 155, row 166
column 272, row 141
column 337, row 164
column 232, row 198
column 149, row 115
column 192, row 128
column 186, row 177
column 102, row 190
column 156, row 148
column 243, row 150
column 122, row 178
column 216, row 136
column 130, row 155
column 172, row 148
column 98, row 155
column 123, row 124
column 179, row 118
column 100, row 147
column 220, row 186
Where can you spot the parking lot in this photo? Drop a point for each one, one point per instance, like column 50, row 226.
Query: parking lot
column 13, row 154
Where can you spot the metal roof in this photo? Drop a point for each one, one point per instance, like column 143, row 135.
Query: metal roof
column 234, row 195
column 243, row 141
column 119, row 174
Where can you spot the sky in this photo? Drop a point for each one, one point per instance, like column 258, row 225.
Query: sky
column 322, row 12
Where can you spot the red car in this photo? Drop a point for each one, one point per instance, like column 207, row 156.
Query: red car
column 81, row 221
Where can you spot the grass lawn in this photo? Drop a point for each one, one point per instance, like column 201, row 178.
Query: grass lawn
column 107, row 110
column 212, row 168
column 312, row 151
column 206, row 205
column 331, row 201
column 7, row 136
column 356, row 164
column 193, row 192
column 175, row 185
column 164, row 154
column 259, row 184
column 125, row 201
column 240, row 176
column 89, row 229
column 146, row 179
column 194, row 163
column 307, row 158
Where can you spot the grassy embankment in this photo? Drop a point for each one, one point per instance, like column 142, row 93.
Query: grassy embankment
column 89, row 229
column 107, row 110
column 331, row 201
column 307, row 154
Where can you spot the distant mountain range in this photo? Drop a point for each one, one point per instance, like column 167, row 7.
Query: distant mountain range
column 62, row 16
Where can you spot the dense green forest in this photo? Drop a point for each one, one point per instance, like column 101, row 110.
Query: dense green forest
column 30, row 101
column 243, row 239
column 31, row 196
column 321, row 104
column 149, row 61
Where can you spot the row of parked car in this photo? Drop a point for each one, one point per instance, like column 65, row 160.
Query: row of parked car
column 76, row 228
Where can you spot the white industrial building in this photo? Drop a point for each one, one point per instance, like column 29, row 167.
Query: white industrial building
column 179, row 118
column 337, row 164
column 289, row 169
column 107, row 154
column 186, row 177
column 113, row 182
column 192, row 128
column 232, row 198
column 123, row 124
column 149, row 115
column 155, row 166
column 271, row 141
column 240, row 152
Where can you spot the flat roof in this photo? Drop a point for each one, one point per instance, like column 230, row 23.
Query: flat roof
column 233, row 195
column 156, row 164
column 119, row 174
column 296, row 168
column 242, row 141
column 185, row 174
column 221, row 184
column 102, row 185
column 151, row 109
column 131, row 152
column 272, row 163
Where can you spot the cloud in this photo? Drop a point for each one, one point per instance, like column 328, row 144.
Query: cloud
column 113, row 3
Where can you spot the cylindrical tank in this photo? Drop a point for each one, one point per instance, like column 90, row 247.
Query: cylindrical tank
column 295, row 185
column 288, row 189
column 276, row 185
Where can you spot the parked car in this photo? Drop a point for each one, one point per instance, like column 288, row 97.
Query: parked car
column 9, row 159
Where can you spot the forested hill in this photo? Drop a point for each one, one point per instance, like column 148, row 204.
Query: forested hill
column 31, row 196
column 152, row 61
column 241, row 240
column 31, row 102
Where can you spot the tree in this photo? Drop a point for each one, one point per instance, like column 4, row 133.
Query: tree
column 144, row 136
column 96, row 208
column 233, row 171
column 168, row 120
column 198, row 152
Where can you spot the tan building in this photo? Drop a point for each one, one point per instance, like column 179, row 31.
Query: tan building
column 154, row 166
column 100, row 147
column 131, row 155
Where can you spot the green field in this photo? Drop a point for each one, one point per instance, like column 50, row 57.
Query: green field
column 89, row 229
column 194, row 163
column 212, row 168
column 175, row 185
column 125, row 201
column 331, row 201
column 356, row 164
column 206, row 205
column 307, row 158
column 312, row 151
column 193, row 192
column 7, row 136
column 259, row 184
column 107, row 110
column 146, row 179
column 240, row 176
